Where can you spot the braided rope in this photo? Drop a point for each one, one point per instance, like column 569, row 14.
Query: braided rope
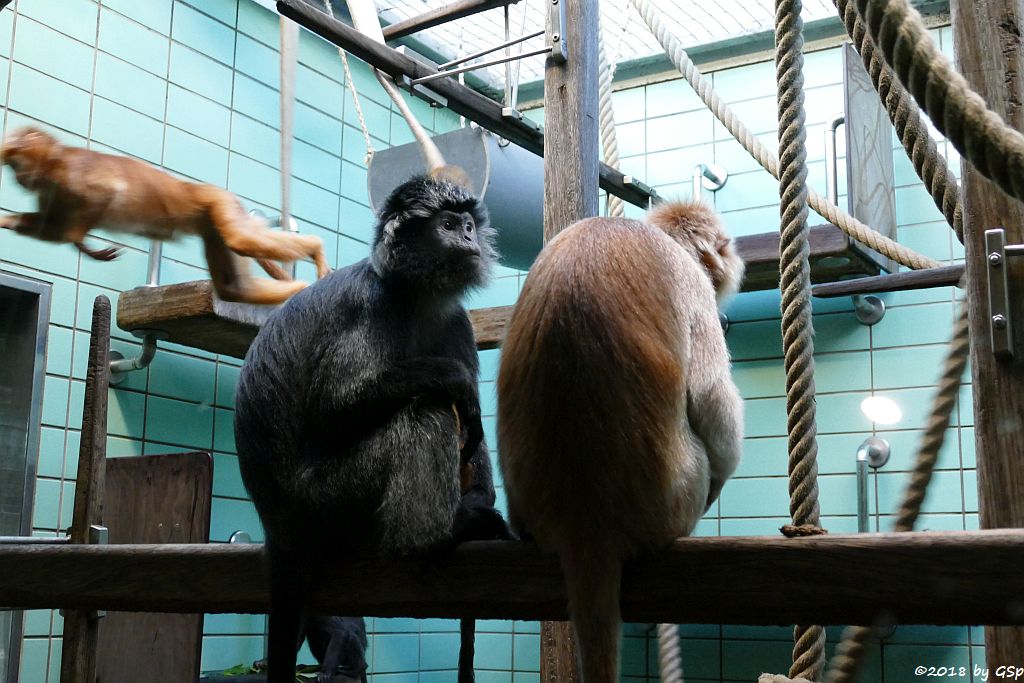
column 609, row 141
column 850, row 654
column 768, row 160
column 929, row 164
column 670, row 658
column 797, row 326
column 958, row 112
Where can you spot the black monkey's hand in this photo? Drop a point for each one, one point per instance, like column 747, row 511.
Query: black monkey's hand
column 479, row 523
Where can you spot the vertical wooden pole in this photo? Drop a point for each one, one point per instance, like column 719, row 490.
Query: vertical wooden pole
column 78, row 656
column 987, row 36
column 570, row 193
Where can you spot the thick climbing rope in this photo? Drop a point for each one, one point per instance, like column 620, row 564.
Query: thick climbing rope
column 850, row 653
column 606, row 120
column 958, row 112
column 832, row 213
column 797, row 326
column 929, row 164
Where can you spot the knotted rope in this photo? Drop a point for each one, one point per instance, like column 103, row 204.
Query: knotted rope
column 768, row 160
column 797, row 326
column 929, row 164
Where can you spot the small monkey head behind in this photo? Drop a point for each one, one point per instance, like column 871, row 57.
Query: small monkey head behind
column 31, row 153
column 696, row 227
column 434, row 234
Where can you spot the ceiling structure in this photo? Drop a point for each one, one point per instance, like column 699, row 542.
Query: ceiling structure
column 694, row 22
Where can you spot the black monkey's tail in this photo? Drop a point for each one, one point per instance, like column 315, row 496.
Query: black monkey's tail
column 290, row 581
column 467, row 649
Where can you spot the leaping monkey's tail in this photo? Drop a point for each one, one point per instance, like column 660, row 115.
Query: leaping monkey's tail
column 593, row 579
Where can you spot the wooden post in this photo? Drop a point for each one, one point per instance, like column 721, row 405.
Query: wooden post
column 987, row 36
column 78, row 657
column 570, row 193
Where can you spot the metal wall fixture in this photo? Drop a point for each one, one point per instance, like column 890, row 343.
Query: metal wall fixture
column 869, row 309
column 873, row 453
column 710, row 177
column 1000, row 321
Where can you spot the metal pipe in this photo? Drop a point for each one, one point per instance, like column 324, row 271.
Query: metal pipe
column 156, row 250
column 832, row 159
column 708, row 176
column 489, row 50
column 873, row 452
column 34, row 540
column 508, row 65
column 120, row 366
column 513, row 101
column 481, row 65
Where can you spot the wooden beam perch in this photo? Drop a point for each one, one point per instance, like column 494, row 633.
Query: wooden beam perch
column 974, row 577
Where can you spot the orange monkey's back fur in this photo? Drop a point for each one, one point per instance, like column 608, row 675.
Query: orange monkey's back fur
column 80, row 189
column 617, row 417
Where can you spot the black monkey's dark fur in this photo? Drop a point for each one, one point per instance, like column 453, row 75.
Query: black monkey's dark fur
column 345, row 417
column 339, row 645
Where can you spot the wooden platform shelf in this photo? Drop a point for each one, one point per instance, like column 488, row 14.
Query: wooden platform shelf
column 974, row 577
column 190, row 314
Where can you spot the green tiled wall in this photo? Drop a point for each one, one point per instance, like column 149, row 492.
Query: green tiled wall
column 192, row 85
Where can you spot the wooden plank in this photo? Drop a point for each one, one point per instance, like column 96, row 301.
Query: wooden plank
column 155, row 499
column 489, row 325
column 946, row 276
column 190, row 313
column 987, row 37
column 78, row 656
column 571, row 160
column 462, row 100
column 441, row 15
column 965, row 577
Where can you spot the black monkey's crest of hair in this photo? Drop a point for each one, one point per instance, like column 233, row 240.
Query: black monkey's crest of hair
column 395, row 252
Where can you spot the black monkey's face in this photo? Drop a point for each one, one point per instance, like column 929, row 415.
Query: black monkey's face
column 434, row 235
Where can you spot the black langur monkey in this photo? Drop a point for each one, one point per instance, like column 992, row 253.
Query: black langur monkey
column 339, row 645
column 357, row 414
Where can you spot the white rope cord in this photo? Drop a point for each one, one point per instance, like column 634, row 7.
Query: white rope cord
column 768, row 160
column 359, row 107
column 355, row 96
column 670, row 658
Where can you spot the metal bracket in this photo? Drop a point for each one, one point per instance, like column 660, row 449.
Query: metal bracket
column 630, row 181
column 1000, row 321
column 558, row 23
column 429, row 96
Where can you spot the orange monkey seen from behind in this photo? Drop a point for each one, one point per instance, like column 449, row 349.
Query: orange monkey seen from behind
column 79, row 189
